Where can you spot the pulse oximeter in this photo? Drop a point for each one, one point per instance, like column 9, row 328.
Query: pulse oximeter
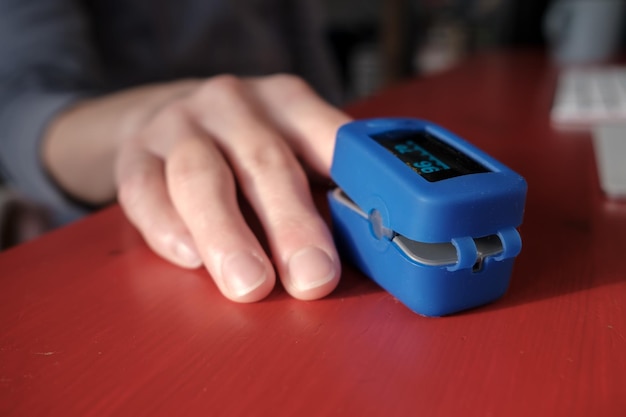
column 428, row 216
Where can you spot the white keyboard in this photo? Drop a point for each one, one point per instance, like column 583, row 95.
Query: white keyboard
column 609, row 143
column 595, row 99
column 589, row 96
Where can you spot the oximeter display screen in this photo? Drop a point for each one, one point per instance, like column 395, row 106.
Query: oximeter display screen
column 428, row 156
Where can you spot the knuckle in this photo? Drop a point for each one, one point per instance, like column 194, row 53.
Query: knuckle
column 290, row 86
column 293, row 229
column 130, row 189
column 289, row 81
column 270, row 159
column 174, row 109
column 221, row 87
column 190, row 163
column 164, row 122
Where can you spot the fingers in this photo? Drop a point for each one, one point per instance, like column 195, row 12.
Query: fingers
column 178, row 184
column 275, row 184
column 178, row 190
column 144, row 198
column 203, row 191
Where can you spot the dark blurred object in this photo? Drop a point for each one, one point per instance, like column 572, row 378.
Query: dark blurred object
column 449, row 30
column 396, row 39
column 378, row 42
column 355, row 49
column 526, row 23
column 20, row 220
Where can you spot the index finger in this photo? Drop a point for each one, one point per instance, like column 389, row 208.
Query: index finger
column 306, row 120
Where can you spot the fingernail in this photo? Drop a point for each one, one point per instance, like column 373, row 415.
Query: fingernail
column 187, row 254
column 310, row 268
column 243, row 272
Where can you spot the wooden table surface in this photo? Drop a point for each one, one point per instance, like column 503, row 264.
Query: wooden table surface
column 93, row 323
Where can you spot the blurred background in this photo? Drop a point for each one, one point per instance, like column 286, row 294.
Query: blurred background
column 378, row 42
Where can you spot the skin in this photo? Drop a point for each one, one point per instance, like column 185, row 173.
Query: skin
column 175, row 154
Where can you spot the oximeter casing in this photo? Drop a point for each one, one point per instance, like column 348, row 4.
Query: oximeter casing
column 428, row 216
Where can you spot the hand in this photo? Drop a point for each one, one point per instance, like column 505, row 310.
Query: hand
column 178, row 172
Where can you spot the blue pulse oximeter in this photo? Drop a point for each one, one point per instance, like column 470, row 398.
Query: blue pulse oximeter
column 429, row 217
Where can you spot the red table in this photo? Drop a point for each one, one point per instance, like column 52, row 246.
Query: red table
column 92, row 323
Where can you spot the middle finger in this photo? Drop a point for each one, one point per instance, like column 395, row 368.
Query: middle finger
column 274, row 182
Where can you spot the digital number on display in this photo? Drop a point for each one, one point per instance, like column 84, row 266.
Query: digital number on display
column 428, row 156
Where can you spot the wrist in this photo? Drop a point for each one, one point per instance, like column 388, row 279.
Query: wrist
column 81, row 144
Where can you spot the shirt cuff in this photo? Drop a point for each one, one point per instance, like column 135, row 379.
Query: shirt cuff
column 22, row 125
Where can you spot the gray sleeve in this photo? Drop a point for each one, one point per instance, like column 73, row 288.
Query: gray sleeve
column 46, row 64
